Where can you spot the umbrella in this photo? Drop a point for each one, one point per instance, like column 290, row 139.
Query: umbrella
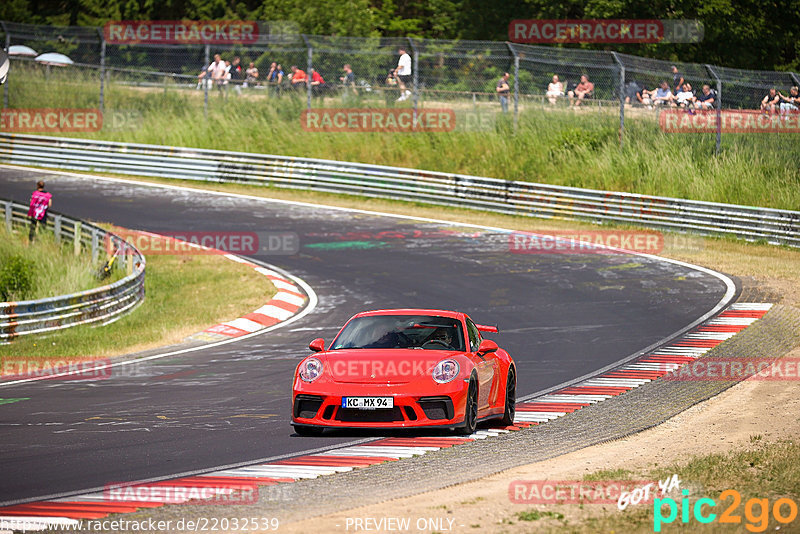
column 22, row 50
column 55, row 59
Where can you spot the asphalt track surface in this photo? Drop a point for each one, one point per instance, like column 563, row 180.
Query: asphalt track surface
column 561, row 316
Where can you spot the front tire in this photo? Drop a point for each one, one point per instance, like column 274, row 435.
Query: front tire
column 511, row 399
column 470, row 410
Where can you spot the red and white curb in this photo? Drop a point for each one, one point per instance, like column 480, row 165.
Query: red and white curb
column 287, row 302
column 67, row 512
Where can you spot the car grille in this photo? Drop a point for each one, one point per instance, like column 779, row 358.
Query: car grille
column 306, row 406
column 350, row 415
column 437, row 407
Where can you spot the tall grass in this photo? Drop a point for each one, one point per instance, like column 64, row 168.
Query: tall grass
column 556, row 146
column 55, row 269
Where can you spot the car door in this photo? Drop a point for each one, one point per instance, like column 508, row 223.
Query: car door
column 486, row 366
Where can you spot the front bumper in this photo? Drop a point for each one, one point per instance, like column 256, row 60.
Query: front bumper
column 444, row 408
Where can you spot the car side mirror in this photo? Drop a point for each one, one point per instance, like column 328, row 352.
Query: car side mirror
column 318, row 345
column 487, row 346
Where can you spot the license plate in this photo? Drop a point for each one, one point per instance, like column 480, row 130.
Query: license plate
column 368, row 403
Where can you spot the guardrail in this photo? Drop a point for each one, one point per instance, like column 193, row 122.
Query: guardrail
column 490, row 194
column 98, row 305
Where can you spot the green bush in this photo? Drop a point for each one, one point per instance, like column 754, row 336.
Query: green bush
column 16, row 278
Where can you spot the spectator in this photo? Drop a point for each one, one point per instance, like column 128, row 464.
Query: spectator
column 217, row 70
column 705, row 100
column 237, row 75
column 790, row 103
column 298, row 77
column 634, row 93
column 685, row 98
column 252, row 75
column 318, row 84
column 275, row 74
column 226, row 77
column 349, row 79
column 203, row 79
column 582, row 91
column 403, row 73
column 41, row 201
column 555, row 90
column 677, row 79
column 663, row 96
column 770, row 102
column 503, row 91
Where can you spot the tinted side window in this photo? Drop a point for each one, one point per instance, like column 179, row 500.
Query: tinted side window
column 474, row 336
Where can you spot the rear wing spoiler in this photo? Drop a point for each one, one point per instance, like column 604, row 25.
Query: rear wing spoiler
column 485, row 328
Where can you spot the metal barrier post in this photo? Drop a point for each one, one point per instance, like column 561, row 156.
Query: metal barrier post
column 621, row 98
column 206, row 80
column 718, row 106
column 8, row 216
column 76, row 238
column 57, row 229
column 795, row 78
column 102, row 70
column 94, row 246
column 308, row 71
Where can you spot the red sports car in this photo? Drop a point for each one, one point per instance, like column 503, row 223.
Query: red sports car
column 404, row 369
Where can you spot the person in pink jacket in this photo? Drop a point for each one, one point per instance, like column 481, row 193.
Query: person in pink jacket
column 41, row 201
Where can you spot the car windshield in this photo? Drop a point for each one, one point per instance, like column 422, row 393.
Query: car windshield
column 401, row 332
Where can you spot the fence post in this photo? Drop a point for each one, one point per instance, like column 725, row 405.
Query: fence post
column 76, row 238
column 8, row 216
column 795, row 78
column 102, row 70
column 414, row 75
column 8, row 45
column 718, row 106
column 206, row 80
column 621, row 97
column 309, row 66
column 516, row 83
column 94, row 246
column 57, row 229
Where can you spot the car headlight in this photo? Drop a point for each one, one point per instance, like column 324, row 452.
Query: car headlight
column 310, row 370
column 445, row 371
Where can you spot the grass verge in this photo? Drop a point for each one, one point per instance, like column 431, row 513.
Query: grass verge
column 184, row 294
column 761, row 474
column 556, row 146
column 45, row 269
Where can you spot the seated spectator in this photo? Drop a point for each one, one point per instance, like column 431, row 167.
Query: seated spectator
column 790, row 103
column 582, row 91
column 275, row 74
column 252, row 75
column 706, row 99
column 770, row 102
column 298, row 77
column 555, row 90
column 634, row 93
column 662, row 96
column 685, row 98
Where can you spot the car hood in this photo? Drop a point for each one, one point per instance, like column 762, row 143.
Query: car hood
column 383, row 366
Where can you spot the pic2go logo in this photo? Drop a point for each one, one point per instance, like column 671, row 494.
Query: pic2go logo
column 756, row 511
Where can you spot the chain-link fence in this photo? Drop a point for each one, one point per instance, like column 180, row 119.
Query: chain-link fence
column 465, row 76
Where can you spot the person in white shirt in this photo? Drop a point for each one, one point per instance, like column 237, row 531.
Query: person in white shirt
column 685, row 98
column 217, row 71
column 555, row 89
column 403, row 74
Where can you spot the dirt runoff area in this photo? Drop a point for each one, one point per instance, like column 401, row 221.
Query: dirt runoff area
column 752, row 410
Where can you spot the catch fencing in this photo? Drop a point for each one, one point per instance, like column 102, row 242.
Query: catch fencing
column 99, row 305
column 463, row 73
column 456, row 190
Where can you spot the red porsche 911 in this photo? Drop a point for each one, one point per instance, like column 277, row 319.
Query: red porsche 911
column 404, row 368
